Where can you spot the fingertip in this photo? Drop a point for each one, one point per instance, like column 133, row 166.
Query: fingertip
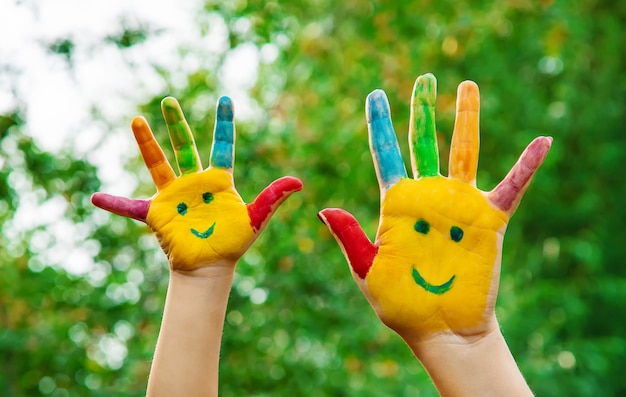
column 468, row 97
column 321, row 215
column 296, row 183
column 289, row 184
column 97, row 199
column 169, row 102
column 335, row 216
column 138, row 122
column 140, row 126
column 425, row 89
column 540, row 146
column 286, row 185
column 225, row 109
column 468, row 86
column 377, row 106
column 171, row 110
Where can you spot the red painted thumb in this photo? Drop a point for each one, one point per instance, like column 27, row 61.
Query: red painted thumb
column 357, row 248
column 266, row 203
column 130, row 208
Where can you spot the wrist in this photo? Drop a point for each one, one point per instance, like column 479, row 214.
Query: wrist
column 478, row 364
column 219, row 270
column 186, row 359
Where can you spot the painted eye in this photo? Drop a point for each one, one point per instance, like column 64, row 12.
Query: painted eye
column 421, row 226
column 182, row 208
column 207, row 197
column 456, row 233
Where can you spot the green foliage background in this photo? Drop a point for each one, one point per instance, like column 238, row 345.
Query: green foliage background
column 543, row 67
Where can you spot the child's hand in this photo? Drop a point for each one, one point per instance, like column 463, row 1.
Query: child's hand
column 434, row 267
column 198, row 217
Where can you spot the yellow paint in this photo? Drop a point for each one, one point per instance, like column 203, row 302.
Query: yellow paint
column 400, row 302
column 232, row 233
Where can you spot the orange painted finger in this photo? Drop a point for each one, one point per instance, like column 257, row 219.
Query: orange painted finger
column 466, row 137
column 160, row 169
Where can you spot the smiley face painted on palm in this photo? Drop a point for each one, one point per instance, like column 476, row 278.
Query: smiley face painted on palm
column 183, row 208
column 439, row 242
column 200, row 217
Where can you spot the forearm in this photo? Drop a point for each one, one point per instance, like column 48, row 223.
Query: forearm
column 187, row 353
column 484, row 367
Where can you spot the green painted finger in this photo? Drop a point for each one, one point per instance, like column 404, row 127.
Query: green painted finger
column 181, row 137
column 422, row 130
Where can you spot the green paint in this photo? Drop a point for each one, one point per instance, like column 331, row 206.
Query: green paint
column 434, row 289
column 207, row 197
column 423, row 132
column 181, row 137
column 456, row 233
column 204, row 234
column 421, row 226
column 181, row 208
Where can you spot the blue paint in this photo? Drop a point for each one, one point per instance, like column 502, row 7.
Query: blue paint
column 224, row 135
column 383, row 141
column 377, row 106
column 181, row 208
column 456, row 233
column 225, row 109
column 434, row 289
column 204, row 234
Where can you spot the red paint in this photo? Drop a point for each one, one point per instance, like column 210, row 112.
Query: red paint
column 262, row 208
column 357, row 248
column 508, row 193
column 130, row 208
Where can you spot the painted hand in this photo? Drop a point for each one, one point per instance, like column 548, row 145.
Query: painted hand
column 198, row 217
column 435, row 263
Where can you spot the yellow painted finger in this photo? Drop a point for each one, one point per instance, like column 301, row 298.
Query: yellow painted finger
column 465, row 138
column 160, row 169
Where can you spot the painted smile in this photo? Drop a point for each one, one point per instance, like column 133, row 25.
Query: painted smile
column 204, row 234
column 434, row 289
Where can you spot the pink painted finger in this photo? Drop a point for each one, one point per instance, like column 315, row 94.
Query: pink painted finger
column 507, row 195
column 357, row 248
column 266, row 203
column 130, row 208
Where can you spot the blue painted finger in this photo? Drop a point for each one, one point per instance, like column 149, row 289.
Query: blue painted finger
column 223, row 148
column 383, row 142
